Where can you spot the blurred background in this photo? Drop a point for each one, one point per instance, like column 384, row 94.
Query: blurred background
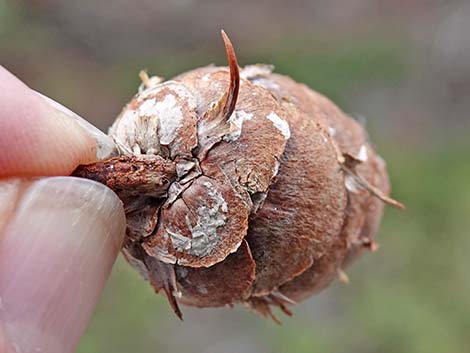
column 403, row 67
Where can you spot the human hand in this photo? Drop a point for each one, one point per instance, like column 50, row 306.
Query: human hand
column 59, row 236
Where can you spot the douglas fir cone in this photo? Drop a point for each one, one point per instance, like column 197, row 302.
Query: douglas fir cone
column 241, row 186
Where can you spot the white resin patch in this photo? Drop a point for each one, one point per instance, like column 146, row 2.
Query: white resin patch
column 180, row 242
column 279, row 124
column 147, row 107
column 179, row 92
column 351, row 184
column 266, row 83
column 123, row 130
column 362, row 155
column 155, row 121
column 252, row 71
column 204, row 233
column 332, row 131
column 276, row 167
column 169, row 116
column 236, row 124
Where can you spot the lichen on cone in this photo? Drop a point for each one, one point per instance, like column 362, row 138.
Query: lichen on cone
column 241, row 186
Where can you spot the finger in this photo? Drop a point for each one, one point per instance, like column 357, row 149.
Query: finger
column 56, row 252
column 40, row 137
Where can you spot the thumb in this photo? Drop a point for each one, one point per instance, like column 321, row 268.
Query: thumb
column 59, row 238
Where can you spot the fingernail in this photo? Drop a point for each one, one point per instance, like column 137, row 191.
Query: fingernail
column 56, row 253
column 106, row 147
column 39, row 137
column 9, row 190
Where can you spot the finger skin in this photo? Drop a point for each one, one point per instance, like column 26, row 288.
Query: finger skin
column 37, row 138
column 57, row 247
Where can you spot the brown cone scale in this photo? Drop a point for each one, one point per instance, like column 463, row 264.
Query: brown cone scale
column 242, row 186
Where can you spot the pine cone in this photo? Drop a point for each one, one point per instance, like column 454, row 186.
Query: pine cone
column 241, row 186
